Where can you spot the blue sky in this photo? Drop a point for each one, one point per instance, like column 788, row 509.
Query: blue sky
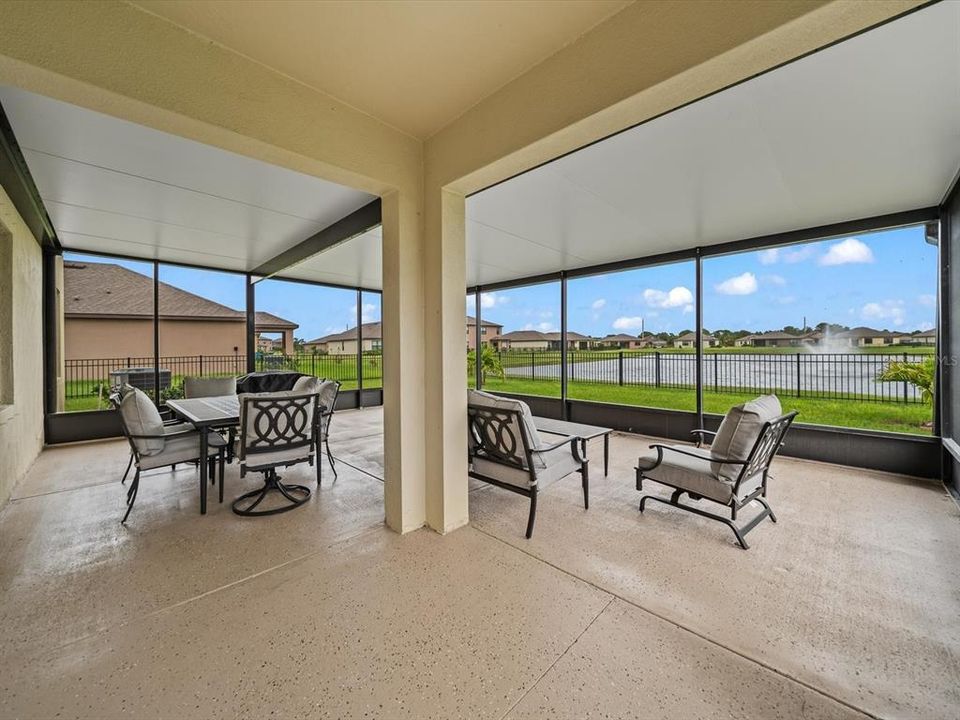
column 885, row 280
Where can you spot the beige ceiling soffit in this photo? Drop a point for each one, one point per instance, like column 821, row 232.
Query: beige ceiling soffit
column 313, row 88
column 557, row 107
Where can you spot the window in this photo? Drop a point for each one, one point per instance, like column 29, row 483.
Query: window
column 630, row 337
column 525, row 357
column 203, row 325
column 107, row 329
column 834, row 327
column 308, row 328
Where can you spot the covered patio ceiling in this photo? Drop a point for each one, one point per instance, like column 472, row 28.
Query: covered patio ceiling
column 868, row 127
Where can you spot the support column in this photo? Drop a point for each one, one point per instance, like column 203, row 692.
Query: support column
column 404, row 426
column 445, row 380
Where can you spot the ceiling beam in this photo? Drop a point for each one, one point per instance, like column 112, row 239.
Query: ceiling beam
column 354, row 224
column 15, row 178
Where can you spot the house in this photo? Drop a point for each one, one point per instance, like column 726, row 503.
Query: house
column 925, row 337
column 488, row 331
column 521, row 340
column 773, row 338
column 689, row 339
column 345, row 343
column 652, row 341
column 863, row 337
column 575, row 341
column 621, row 342
column 108, row 313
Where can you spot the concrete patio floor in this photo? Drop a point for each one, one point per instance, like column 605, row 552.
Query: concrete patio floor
column 848, row 607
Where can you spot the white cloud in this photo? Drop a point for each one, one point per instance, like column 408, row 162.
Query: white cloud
column 677, row 297
column 368, row 313
column 543, row 327
column 778, row 280
column 802, row 253
column 927, row 300
column 769, row 257
column 489, row 300
column 628, row 323
column 598, row 304
column 924, row 326
column 745, row 284
column 891, row 310
column 847, row 251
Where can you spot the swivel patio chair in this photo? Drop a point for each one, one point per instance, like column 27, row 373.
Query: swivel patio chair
column 154, row 445
column 505, row 450
column 276, row 430
column 732, row 472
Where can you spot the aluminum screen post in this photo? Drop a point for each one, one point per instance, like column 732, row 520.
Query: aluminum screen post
column 698, row 341
column 251, row 326
column 360, row 348
column 563, row 346
column 156, row 332
column 478, row 340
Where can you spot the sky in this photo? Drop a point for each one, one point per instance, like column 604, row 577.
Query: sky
column 885, row 280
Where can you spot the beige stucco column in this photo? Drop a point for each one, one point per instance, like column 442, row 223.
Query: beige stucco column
column 445, row 384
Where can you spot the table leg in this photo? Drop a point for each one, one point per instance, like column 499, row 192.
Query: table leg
column 204, row 465
column 606, row 453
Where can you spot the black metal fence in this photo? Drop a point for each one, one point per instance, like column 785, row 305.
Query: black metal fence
column 90, row 377
column 836, row 376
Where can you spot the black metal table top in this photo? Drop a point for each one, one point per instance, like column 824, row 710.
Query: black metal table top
column 208, row 411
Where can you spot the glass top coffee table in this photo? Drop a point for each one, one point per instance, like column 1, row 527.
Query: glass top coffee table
column 580, row 431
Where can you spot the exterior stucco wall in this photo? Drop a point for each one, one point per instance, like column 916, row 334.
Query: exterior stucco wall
column 21, row 340
column 91, row 338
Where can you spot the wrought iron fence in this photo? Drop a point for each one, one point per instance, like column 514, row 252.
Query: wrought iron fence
column 92, row 377
column 835, row 376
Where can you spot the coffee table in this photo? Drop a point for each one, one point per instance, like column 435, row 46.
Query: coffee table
column 580, row 431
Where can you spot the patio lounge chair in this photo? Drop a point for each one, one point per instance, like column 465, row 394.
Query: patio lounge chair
column 155, row 445
column 505, row 450
column 732, row 472
column 276, row 430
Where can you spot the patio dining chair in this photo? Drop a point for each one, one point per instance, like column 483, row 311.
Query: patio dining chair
column 200, row 387
column 276, row 430
column 169, row 425
column 505, row 450
column 154, row 445
column 733, row 471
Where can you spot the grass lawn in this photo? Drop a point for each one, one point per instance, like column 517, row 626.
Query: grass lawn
column 890, row 417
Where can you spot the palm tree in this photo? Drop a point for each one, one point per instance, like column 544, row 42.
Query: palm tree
column 489, row 363
column 920, row 375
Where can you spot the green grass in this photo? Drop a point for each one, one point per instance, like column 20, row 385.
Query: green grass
column 886, row 416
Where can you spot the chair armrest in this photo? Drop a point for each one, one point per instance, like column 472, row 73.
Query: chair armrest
column 165, row 436
column 569, row 439
column 725, row 461
column 701, row 433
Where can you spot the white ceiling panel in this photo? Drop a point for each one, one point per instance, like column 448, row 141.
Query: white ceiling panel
column 116, row 187
column 867, row 127
column 355, row 263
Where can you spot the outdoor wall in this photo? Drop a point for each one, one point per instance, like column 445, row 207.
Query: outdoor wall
column 21, row 342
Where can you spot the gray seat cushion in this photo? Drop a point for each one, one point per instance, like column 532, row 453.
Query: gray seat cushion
column 306, row 385
column 549, row 467
column 739, row 431
column 182, row 448
column 693, row 474
column 195, row 387
column 141, row 417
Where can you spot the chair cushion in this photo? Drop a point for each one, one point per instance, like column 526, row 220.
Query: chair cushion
column 195, row 387
column 141, row 417
column 306, row 385
column 693, row 474
column 182, row 448
column 485, row 399
column 268, row 381
column 739, row 431
column 549, row 467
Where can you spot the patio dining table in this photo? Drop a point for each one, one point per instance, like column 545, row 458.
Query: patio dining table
column 206, row 414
